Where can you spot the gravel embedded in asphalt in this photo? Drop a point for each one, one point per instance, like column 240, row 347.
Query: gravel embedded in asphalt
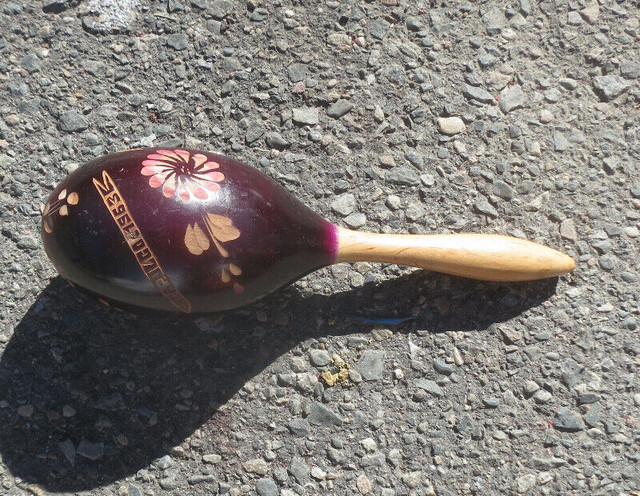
column 514, row 118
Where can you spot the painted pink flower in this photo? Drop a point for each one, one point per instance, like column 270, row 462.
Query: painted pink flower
column 179, row 173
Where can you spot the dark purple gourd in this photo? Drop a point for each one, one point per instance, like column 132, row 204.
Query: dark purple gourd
column 181, row 230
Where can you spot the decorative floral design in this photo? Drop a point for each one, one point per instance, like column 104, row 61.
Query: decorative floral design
column 61, row 206
column 179, row 173
column 216, row 229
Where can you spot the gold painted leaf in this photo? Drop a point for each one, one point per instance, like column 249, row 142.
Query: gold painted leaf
column 190, row 241
column 222, row 228
column 196, row 240
column 201, row 237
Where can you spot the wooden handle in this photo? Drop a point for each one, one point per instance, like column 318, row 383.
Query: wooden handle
column 489, row 257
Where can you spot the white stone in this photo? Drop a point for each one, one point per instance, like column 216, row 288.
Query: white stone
column 459, row 147
column 546, row 116
column 368, row 444
column 363, row 484
column 544, row 478
column 509, row 34
column 591, row 12
column 568, row 230
column 525, row 483
column 535, row 149
column 309, row 116
column 378, row 113
column 318, row 474
column 451, row 125
column 338, row 39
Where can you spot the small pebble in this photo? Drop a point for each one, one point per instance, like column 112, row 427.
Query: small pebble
column 339, row 108
column 308, row 116
column 511, row 98
column 387, row 161
column 568, row 230
column 457, row 357
column 177, row 41
column 256, row 466
column 92, row 451
column 525, row 483
column 26, row 411
column 542, row 396
column 378, row 113
column 483, row 206
column 442, row 367
column 299, row 470
column 567, row 420
column 491, row 402
column 212, row 458
column 609, row 87
column 591, row 12
column 344, row 204
column 72, row 122
column 31, row 63
column 319, row 358
column 371, row 365
column 363, row 484
column 546, row 116
column 503, row 190
column 451, row 125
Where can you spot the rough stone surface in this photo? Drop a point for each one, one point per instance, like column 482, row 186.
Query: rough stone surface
column 31, row 63
column 340, row 108
column 360, row 378
column 478, row 94
column 72, row 122
column 371, row 365
column 566, row 419
column 344, row 204
column 511, row 98
column 319, row 358
column 609, row 87
column 299, row 470
column 321, row 415
column 483, row 206
column 308, row 116
column 178, row 41
column 266, row 487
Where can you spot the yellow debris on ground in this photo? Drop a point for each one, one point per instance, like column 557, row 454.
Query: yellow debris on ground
column 341, row 376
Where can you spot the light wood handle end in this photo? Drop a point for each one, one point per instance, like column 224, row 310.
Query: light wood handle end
column 489, row 257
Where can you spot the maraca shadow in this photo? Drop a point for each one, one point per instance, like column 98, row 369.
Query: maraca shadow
column 134, row 386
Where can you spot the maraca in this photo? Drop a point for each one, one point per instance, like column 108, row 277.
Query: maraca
column 190, row 231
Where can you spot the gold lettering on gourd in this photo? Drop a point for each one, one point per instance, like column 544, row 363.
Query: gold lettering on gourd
column 142, row 252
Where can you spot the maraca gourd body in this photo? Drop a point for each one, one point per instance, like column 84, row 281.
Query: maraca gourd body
column 190, row 231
